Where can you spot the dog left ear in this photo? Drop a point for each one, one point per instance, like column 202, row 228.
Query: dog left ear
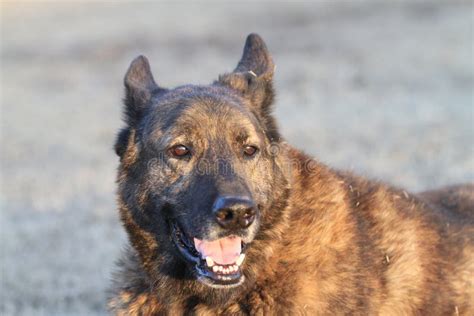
column 253, row 78
column 253, row 75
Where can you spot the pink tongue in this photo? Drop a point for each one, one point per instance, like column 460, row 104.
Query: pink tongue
column 222, row 251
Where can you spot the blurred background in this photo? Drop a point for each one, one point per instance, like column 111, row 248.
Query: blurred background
column 384, row 88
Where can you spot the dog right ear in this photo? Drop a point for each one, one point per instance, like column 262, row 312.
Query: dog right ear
column 140, row 87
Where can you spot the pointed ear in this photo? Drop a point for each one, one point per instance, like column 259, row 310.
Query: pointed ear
column 253, row 78
column 256, row 59
column 139, row 89
column 253, row 75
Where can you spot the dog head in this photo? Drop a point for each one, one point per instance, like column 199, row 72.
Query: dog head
column 201, row 179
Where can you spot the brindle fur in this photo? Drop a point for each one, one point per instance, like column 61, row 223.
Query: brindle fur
column 329, row 242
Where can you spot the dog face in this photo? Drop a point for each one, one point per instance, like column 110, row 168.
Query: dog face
column 198, row 168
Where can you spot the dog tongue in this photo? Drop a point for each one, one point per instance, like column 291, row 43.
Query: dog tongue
column 222, row 251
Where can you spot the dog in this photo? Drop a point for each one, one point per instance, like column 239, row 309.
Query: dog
column 225, row 218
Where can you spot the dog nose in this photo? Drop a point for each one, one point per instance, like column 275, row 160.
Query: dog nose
column 234, row 212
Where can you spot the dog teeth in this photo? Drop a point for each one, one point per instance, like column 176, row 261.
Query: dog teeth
column 240, row 259
column 219, row 269
column 209, row 261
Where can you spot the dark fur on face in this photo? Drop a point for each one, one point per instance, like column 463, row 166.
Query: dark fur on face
column 215, row 123
column 207, row 183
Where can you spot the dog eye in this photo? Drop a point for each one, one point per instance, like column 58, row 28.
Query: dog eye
column 250, row 151
column 179, row 151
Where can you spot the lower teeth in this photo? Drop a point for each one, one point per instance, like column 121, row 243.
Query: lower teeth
column 218, row 269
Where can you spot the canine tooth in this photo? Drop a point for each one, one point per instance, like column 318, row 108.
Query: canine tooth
column 240, row 259
column 215, row 268
column 235, row 268
column 209, row 261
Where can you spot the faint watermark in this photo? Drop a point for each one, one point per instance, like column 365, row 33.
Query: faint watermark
column 231, row 165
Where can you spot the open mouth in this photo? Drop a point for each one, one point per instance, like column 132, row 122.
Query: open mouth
column 217, row 263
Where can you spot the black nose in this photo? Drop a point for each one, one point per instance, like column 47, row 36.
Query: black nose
column 234, row 212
